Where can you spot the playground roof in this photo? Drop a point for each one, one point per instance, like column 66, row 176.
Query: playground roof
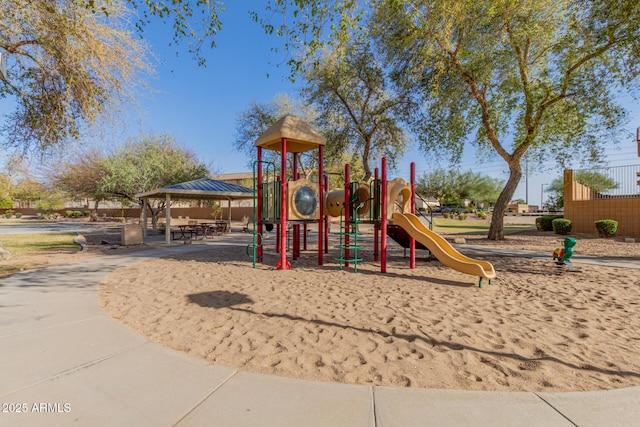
column 200, row 189
column 300, row 136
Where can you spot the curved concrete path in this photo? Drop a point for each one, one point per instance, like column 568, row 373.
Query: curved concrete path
column 63, row 362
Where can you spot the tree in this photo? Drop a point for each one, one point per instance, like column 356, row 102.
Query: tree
column 6, row 202
column 6, row 189
column 17, row 184
column 596, row 181
column 455, row 188
column 68, row 66
column 258, row 117
column 555, row 189
column 151, row 161
column 523, row 75
column 478, row 188
column 185, row 27
column 438, row 184
column 29, row 190
column 355, row 106
column 50, row 201
column 82, row 177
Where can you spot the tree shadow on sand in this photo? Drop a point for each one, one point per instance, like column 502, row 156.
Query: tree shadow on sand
column 226, row 299
column 219, row 299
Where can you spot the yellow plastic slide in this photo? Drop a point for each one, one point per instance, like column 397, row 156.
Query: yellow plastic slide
column 442, row 249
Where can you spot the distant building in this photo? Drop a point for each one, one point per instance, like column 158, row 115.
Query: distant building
column 239, row 178
column 244, row 179
column 521, row 208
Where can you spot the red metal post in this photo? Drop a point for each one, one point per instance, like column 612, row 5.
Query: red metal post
column 283, row 264
column 326, row 218
column 412, row 241
column 376, row 225
column 304, row 237
column 258, row 218
column 321, row 190
column 383, row 218
column 347, row 210
column 296, row 241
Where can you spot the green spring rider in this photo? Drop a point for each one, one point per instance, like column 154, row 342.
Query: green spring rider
column 563, row 255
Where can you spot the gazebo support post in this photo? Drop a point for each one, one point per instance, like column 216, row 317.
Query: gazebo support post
column 167, row 219
column 144, row 218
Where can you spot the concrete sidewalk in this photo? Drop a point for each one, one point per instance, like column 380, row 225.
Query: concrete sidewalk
column 63, row 361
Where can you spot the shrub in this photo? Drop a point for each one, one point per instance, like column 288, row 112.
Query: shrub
column 68, row 214
column 77, row 214
column 86, row 214
column 445, row 214
column 482, row 214
column 607, row 227
column 561, row 226
column 462, row 216
column 18, row 214
column 8, row 214
column 544, row 223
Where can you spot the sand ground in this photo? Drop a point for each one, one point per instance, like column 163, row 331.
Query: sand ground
column 536, row 328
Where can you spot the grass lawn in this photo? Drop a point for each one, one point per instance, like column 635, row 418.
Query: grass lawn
column 455, row 226
column 27, row 244
column 19, row 244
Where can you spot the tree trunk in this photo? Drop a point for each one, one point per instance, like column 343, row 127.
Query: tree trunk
column 155, row 213
column 365, row 160
column 496, row 229
column 94, row 214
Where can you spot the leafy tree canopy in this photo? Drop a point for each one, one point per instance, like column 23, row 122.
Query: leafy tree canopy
column 67, row 67
column 82, row 176
column 258, row 117
column 146, row 163
column 149, row 162
column 356, row 108
column 520, row 75
column 451, row 187
column 509, row 76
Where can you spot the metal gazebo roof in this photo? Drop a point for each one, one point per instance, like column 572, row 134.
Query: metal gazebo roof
column 200, row 189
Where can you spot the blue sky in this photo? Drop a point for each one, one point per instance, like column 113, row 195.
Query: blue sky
column 200, row 105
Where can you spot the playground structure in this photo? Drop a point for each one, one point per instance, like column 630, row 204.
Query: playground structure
column 301, row 202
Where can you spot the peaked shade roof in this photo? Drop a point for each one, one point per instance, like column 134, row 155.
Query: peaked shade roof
column 204, row 188
column 300, row 136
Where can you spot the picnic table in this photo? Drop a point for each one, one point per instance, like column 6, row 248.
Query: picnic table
column 193, row 231
column 221, row 226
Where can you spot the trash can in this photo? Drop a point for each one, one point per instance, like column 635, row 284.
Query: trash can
column 131, row 235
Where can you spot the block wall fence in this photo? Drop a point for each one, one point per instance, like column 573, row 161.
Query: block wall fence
column 583, row 208
column 237, row 212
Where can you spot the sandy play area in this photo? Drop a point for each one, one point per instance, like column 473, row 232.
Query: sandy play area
column 533, row 329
